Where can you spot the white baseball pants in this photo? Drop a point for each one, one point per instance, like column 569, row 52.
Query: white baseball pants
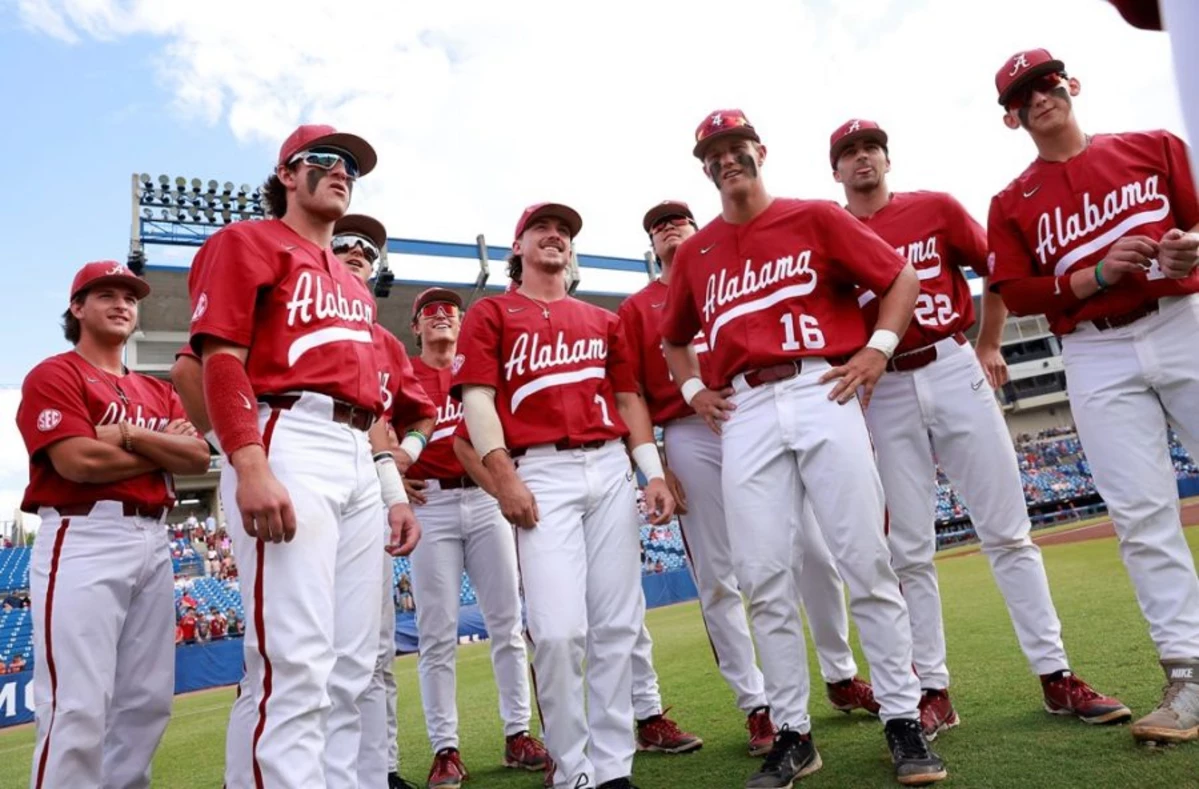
column 312, row 605
column 1124, row 385
column 464, row 529
column 378, row 750
column 822, row 593
column 103, row 607
column 947, row 408
column 581, row 575
column 793, row 445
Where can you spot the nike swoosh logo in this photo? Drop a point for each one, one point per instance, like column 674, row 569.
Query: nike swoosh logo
column 975, row 386
column 1033, row 192
column 658, row 306
column 516, row 309
column 706, row 249
column 91, row 380
column 246, row 401
column 289, row 247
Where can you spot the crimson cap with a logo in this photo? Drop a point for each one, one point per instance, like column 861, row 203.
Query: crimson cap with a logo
column 1022, row 67
column 434, row 294
column 362, row 225
column 108, row 272
column 850, row 132
column 722, row 123
column 665, row 209
column 311, row 136
column 536, row 211
column 1144, row 14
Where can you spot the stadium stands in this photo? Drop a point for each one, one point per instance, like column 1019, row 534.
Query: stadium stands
column 14, row 569
column 16, row 635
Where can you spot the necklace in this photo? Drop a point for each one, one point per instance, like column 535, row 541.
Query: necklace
column 545, row 308
column 107, row 378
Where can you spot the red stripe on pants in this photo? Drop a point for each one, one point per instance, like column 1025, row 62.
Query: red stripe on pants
column 260, row 624
column 55, row 556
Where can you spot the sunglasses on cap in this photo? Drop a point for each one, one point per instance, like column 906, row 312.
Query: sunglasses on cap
column 1045, row 83
column 326, row 159
column 439, row 308
column 677, row 220
column 345, row 243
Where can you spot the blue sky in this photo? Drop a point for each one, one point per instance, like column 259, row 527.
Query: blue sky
column 480, row 108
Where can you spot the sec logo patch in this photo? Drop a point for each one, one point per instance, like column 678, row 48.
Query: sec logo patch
column 48, row 419
column 459, row 360
column 201, row 307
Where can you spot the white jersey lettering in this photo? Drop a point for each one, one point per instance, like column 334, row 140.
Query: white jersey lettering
column 728, row 289
column 543, row 356
column 304, row 304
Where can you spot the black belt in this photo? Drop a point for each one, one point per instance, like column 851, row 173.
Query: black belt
column 343, row 413
column 454, row 483
column 921, row 357
column 564, row 445
column 128, row 509
column 1116, row 321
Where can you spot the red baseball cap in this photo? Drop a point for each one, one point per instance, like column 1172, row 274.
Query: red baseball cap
column 850, row 132
column 108, row 272
column 664, row 209
column 1140, row 13
column 362, row 225
column 1022, row 67
column 317, row 135
column 564, row 212
column 434, row 294
column 722, row 123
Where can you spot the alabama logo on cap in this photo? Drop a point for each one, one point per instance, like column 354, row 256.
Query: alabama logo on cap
column 48, row 419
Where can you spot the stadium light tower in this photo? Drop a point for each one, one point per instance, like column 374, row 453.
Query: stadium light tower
column 182, row 212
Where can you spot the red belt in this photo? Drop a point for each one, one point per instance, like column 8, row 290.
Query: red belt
column 921, row 357
column 128, row 509
column 343, row 413
column 454, row 483
column 783, row 371
column 564, row 445
column 1116, row 321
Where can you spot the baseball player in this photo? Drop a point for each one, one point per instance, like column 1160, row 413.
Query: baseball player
column 462, row 529
column 291, row 385
column 693, row 475
column 547, row 396
column 1099, row 235
column 103, row 443
column 936, row 398
column 769, row 284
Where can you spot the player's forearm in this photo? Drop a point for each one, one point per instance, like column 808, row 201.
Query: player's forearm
column 229, row 400
column 187, row 375
column 177, row 454
column 990, row 329
column 898, row 302
column 1039, row 295
column 681, row 361
column 416, row 437
column 633, row 411
column 473, row 465
column 379, row 437
column 90, row 461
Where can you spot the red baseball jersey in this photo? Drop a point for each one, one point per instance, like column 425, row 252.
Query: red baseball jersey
column 934, row 233
column 187, row 626
column 65, row 397
column 555, row 368
column 640, row 315
column 438, row 460
column 305, row 316
column 1057, row 217
column 404, row 399
column 778, row 287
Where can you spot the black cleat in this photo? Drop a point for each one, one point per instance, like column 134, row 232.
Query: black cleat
column 915, row 763
column 792, row 756
column 617, row 783
column 394, row 781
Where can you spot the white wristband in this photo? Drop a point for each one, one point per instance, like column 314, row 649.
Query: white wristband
column 390, row 485
column 884, row 341
column 646, row 458
column 690, row 388
column 413, row 446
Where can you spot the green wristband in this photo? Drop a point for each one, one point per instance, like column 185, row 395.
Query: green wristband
column 1099, row 280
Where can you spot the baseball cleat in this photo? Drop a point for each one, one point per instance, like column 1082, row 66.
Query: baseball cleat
column 394, row 781
column 617, row 783
column 525, row 752
column 659, row 733
column 447, row 771
column 1067, row 694
column 915, row 763
column 761, row 731
column 852, row 694
column 792, row 756
column 936, row 713
column 1176, row 718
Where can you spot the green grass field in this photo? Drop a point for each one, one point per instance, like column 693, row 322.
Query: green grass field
column 1005, row 740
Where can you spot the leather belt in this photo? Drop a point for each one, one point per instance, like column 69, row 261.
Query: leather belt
column 564, row 445
column 454, row 483
column 1116, row 321
column 921, row 357
column 343, row 413
column 128, row 509
column 773, row 374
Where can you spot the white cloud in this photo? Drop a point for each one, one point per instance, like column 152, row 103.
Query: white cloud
column 479, row 108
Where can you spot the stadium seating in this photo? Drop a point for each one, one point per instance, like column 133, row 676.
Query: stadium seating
column 14, row 569
column 16, row 635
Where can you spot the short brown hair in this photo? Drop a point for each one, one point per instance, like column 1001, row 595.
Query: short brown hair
column 71, row 329
column 515, row 268
column 274, row 195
